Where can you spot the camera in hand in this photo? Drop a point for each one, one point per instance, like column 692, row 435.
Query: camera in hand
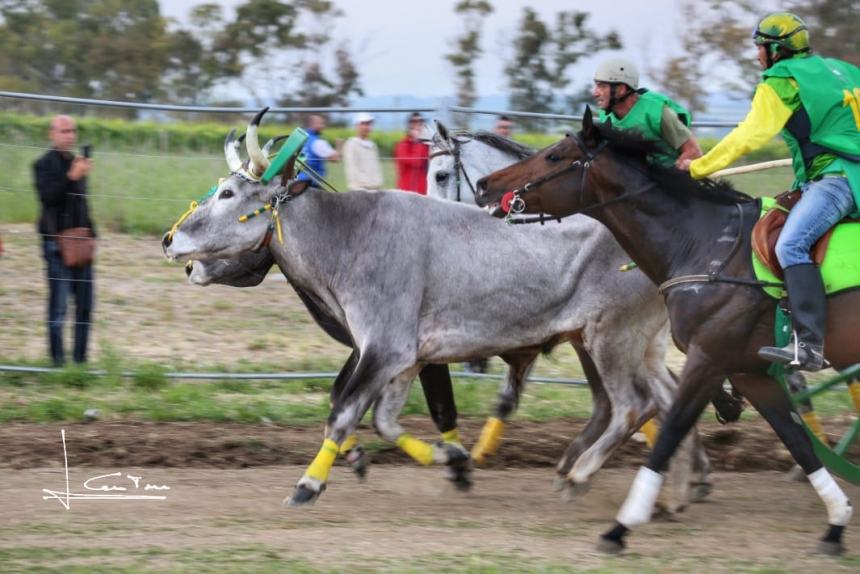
column 87, row 151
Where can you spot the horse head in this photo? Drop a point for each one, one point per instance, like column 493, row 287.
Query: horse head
column 223, row 224
column 559, row 180
column 458, row 159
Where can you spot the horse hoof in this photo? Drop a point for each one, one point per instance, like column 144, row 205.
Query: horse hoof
column 608, row 546
column 575, row 490
column 559, row 483
column 829, row 548
column 303, row 496
column 358, row 461
column 699, row 491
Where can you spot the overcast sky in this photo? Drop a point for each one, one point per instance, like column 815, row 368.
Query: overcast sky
column 399, row 45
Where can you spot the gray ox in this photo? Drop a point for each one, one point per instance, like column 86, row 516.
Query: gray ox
column 381, row 263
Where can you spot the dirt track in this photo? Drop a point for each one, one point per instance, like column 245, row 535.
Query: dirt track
column 225, row 517
column 404, row 518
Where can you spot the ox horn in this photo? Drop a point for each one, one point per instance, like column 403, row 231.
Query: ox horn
column 231, row 151
column 259, row 161
column 267, row 149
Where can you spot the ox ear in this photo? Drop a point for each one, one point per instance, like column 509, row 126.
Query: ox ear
column 289, row 171
column 298, row 187
column 442, row 131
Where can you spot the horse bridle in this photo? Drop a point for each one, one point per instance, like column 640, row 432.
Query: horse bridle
column 459, row 168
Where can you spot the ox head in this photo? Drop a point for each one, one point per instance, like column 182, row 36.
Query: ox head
column 224, row 225
column 247, row 270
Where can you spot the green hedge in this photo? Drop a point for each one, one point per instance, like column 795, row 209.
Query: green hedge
column 208, row 137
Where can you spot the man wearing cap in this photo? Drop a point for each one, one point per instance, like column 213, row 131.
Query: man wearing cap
column 815, row 103
column 412, row 157
column 361, row 156
column 655, row 116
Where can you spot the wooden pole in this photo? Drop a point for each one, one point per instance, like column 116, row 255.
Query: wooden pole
column 751, row 168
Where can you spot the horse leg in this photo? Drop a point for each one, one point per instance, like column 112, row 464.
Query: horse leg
column 519, row 366
column 699, row 382
column 374, row 368
column 630, row 409
column 664, row 384
column 439, row 393
column 601, row 412
column 385, row 413
column 775, row 406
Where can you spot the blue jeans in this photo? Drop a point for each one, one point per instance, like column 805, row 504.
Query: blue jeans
column 822, row 205
column 63, row 281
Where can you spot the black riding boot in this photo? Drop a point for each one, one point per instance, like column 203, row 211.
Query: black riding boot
column 808, row 315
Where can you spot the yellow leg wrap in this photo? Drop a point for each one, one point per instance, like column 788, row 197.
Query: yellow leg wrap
column 348, row 444
column 489, row 440
column 454, row 436
column 814, row 423
column 854, row 391
column 416, row 448
column 323, row 461
column 650, row 430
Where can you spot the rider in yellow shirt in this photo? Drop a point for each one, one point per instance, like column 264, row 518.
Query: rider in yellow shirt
column 815, row 103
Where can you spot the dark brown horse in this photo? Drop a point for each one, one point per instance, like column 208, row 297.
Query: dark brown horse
column 694, row 239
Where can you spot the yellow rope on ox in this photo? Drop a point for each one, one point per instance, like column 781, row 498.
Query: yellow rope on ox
column 323, row 461
column 416, row 448
column 650, row 430
column 255, row 213
column 488, row 443
column 278, row 226
column 184, row 216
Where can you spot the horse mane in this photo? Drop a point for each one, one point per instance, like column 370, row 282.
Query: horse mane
column 635, row 146
column 503, row 144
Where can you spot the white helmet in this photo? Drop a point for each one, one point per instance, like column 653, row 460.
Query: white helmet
column 617, row 71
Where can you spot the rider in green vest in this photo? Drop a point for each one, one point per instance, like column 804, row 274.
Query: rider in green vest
column 815, row 103
column 655, row 116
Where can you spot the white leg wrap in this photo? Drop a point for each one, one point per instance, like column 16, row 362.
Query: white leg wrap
column 838, row 506
column 640, row 501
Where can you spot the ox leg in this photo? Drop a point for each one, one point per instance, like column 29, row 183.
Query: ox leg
column 385, row 413
column 601, row 413
column 519, row 366
column 350, row 449
column 774, row 405
column 372, row 371
column 699, row 382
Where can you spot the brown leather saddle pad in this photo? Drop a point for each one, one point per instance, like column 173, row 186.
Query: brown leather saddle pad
column 766, row 231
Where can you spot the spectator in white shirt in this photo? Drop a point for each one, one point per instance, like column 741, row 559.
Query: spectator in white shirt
column 361, row 156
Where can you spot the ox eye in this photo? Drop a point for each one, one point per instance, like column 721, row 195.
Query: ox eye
column 225, row 194
column 441, row 176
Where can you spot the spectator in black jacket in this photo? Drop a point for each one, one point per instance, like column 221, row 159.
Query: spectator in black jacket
column 61, row 182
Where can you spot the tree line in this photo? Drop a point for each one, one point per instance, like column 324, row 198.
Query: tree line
column 127, row 50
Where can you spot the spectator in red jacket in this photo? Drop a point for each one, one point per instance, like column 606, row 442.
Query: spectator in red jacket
column 411, row 156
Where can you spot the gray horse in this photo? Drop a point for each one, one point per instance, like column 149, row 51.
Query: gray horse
column 381, row 262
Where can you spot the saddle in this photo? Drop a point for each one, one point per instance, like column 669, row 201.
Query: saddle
column 766, row 231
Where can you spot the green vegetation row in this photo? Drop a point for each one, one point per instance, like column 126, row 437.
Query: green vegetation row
column 208, row 137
